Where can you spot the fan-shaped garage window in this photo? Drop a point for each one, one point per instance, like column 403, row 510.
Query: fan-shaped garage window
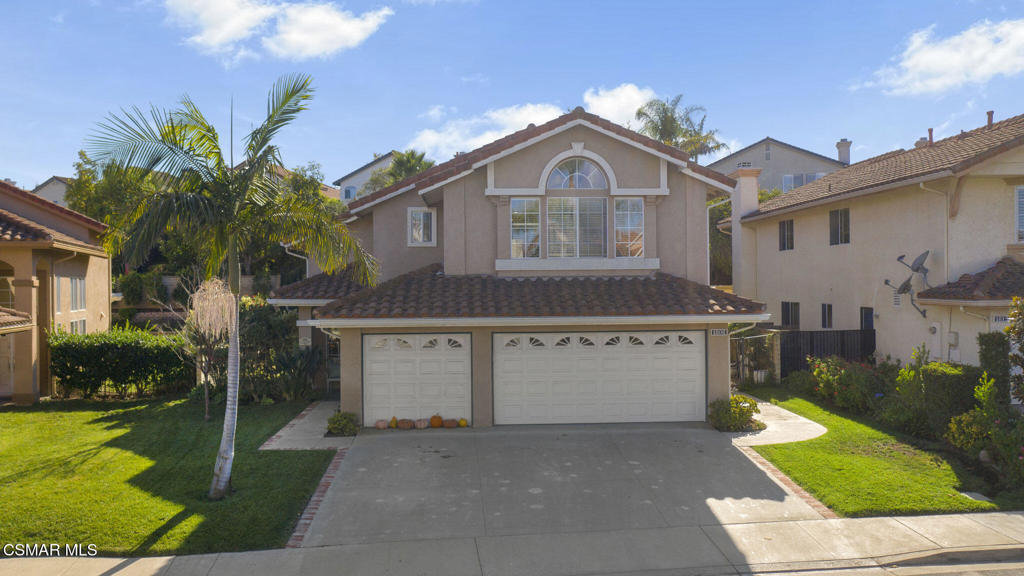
column 613, row 341
column 684, row 340
column 403, row 344
column 453, row 343
column 432, row 343
column 536, row 342
column 577, row 174
column 584, row 341
column 635, row 341
column 563, row 341
column 512, row 343
column 663, row 341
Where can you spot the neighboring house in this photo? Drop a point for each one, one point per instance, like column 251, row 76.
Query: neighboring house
column 350, row 184
column 326, row 190
column 783, row 166
column 53, row 274
column 556, row 275
column 54, row 189
column 820, row 255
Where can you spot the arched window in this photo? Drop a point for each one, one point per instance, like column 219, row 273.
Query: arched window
column 577, row 174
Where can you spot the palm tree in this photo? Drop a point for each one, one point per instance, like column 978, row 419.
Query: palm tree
column 221, row 206
column 403, row 165
column 664, row 121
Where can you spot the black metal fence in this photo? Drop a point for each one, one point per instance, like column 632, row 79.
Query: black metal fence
column 852, row 345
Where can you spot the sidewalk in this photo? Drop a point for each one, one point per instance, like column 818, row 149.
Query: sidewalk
column 807, row 545
column 306, row 431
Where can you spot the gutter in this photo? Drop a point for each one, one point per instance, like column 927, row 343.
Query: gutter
column 709, row 181
column 299, row 302
column 965, row 303
column 848, row 195
column 323, row 323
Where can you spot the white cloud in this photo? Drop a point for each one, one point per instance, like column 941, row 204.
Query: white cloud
column 438, row 111
column 930, row 65
column 465, row 134
column 733, row 145
column 307, row 31
column 617, row 104
column 300, row 30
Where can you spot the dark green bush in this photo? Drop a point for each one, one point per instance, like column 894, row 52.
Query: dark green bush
column 858, row 388
column 994, row 357
column 948, row 392
column 800, row 382
column 995, row 427
column 273, row 366
column 343, row 424
column 128, row 361
column 735, row 414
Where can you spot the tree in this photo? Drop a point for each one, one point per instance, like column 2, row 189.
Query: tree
column 207, row 325
column 403, row 165
column 1016, row 333
column 721, row 243
column 101, row 192
column 666, row 123
column 223, row 208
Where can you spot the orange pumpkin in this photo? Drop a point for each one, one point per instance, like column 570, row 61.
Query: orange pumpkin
column 436, row 421
column 405, row 424
column 451, row 423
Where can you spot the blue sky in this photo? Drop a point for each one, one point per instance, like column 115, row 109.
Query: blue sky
column 450, row 75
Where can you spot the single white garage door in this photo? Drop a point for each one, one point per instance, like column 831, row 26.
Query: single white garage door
column 583, row 377
column 416, row 376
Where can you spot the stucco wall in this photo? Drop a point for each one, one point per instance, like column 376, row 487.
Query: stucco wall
column 390, row 241
column 481, row 339
column 54, row 191
column 784, row 160
column 907, row 220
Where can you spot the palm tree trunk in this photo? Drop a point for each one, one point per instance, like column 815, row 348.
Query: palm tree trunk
column 226, row 455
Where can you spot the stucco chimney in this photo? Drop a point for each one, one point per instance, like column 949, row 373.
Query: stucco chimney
column 931, row 139
column 744, row 201
column 843, row 146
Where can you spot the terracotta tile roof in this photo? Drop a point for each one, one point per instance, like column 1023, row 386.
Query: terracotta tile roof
column 15, row 228
column 1000, row 282
column 10, row 318
column 428, row 293
column 462, row 162
column 43, row 202
column 320, row 287
column 951, row 155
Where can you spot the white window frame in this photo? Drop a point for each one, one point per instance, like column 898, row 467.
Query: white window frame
column 540, row 227
column 433, row 227
column 643, row 227
column 57, row 295
column 1018, row 224
column 348, row 192
column 576, row 226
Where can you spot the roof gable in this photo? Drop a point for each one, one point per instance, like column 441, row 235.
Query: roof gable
column 779, row 143
column 52, row 207
column 463, row 164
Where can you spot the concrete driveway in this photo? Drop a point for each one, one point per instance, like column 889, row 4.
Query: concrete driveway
column 546, row 480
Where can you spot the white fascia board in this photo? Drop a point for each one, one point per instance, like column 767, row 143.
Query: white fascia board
column 513, row 192
column 971, row 303
column 401, row 190
column 709, row 181
column 299, row 302
column 449, row 180
column 326, row 323
column 852, row 195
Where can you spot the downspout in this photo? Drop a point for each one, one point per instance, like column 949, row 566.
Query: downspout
column 304, row 258
column 707, row 242
column 988, row 321
column 945, row 225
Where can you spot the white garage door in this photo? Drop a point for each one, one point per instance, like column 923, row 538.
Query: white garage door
column 548, row 378
column 416, row 376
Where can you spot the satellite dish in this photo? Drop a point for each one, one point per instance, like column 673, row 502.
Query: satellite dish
column 918, row 265
column 906, row 287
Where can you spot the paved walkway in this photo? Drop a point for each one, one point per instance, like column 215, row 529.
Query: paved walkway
column 782, row 426
column 306, row 431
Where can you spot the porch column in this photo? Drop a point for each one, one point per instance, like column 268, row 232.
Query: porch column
column 26, row 342
column 351, row 396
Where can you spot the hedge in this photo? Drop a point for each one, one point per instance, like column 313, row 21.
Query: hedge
column 129, row 361
column 949, row 392
column 994, row 357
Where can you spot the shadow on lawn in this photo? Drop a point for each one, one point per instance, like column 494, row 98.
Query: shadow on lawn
column 270, row 489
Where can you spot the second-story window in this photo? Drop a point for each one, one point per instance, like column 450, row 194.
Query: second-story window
column 791, row 315
column 577, row 227
column 839, row 227
column 525, row 227
column 350, row 192
column 785, row 235
column 629, row 227
column 422, row 227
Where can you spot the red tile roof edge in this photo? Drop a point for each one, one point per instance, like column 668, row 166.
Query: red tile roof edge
column 53, row 207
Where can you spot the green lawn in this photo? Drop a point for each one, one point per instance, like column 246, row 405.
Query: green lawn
column 131, row 477
column 859, row 469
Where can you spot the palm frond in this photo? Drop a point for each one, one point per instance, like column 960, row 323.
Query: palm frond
column 287, row 98
column 141, row 228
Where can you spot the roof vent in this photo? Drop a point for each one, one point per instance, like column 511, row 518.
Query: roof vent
column 531, row 125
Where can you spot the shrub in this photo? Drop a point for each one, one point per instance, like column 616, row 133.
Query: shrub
column 903, row 408
column 994, row 357
column 826, row 374
column 948, row 392
column 140, row 287
column 1016, row 333
column 858, row 388
column 128, row 360
column 343, row 424
column 735, row 414
column 992, row 426
column 800, row 382
column 275, row 366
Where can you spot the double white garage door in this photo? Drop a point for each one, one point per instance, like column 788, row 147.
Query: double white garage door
column 540, row 378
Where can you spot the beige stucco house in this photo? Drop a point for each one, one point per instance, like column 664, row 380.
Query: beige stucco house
column 557, row 275
column 821, row 255
column 54, row 189
column 352, row 183
column 783, row 166
column 54, row 274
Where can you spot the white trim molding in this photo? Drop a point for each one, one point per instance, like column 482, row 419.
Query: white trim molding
column 972, row 303
column 327, row 324
column 706, row 180
column 527, row 264
column 299, row 302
